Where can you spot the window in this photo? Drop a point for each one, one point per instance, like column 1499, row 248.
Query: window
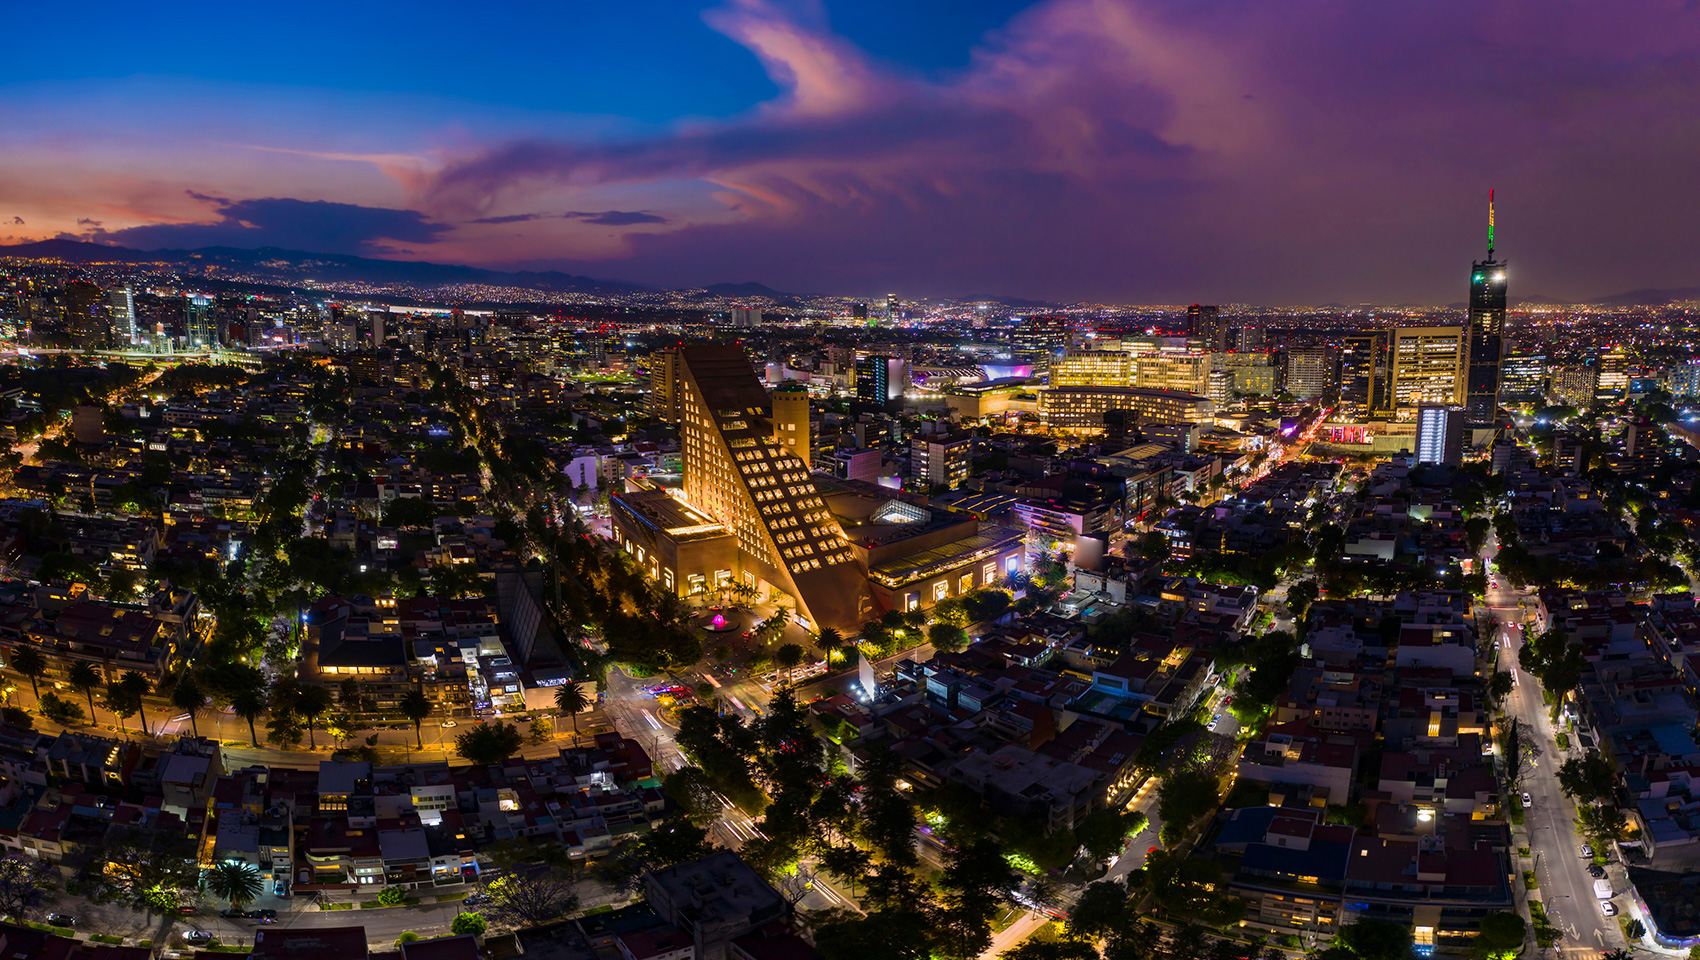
column 966, row 584
column 940, row 590
column 696, row 583
column 911, row 601
column 988, row 573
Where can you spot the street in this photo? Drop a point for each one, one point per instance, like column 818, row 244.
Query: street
column 1565, row 888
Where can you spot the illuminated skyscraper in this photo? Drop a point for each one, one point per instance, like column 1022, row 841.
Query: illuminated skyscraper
column 791, row 418
column 1427, row 366
column 121, row 306
column 1486, row 327
column 1204, row 321
column 1440, row 435
column 82, row 320
column 736, row 472
column 198, row 323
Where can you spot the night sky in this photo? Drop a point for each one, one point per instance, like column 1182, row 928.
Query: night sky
column 1289, row 152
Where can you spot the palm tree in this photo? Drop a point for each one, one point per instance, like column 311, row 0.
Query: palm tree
column 829, row 641
column 416, row 706
column 135, row 686
column 188, row 697
column 29, row 662
column 238, row 883
column 249, row 704
column 310, row 705
column 570, row 698
column 86, row 678
column 787, row 658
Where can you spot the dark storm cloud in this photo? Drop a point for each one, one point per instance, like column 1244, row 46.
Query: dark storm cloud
column 617, row 218
column 511, row 218
column 317, row 225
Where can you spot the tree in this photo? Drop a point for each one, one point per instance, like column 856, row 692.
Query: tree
column 541, row 730
column 828, row 641
column 465, row 923
column 530, row 897
column 311, row 704
column 238, row 883
column 29, row 662
column 392, row 897
column 66, row 713
column 489, row 743
column 787, row 658
column 416, row 706
column 144, row 871
column 1588, row 778
column 946, row 637
column 1038, row 948
column 83, row 676
column 571, row 700
column 1500, row 686
column 1102, row 907
column 1500, row 936
column 1103, row 831
column 1185, row 796
column 135, row 686
column 249, row 704
column 1376, row 940
column 188, row 697
column 847, row 862
column 27, row 884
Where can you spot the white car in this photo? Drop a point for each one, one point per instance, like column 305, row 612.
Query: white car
column 1528, row 801
column 1608, row 908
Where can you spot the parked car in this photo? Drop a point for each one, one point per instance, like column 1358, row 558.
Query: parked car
column 61, row 920
column 260, row 914
column 231, row 914
column 1608, row 908
column 1588, row 851
column 1596, row 871
column 1528, row 801
column 197, row 937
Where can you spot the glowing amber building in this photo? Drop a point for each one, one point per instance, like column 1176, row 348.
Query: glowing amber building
column 739, row 473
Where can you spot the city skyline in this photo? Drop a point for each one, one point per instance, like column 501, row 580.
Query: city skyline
column 1067, row 150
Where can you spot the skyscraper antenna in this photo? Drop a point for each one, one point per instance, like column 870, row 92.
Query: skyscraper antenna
column 1490, row 223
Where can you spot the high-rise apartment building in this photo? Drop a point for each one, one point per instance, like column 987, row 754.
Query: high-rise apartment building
column 83, row 323
column 1427, row 366
column 664, row 385
column 1683, row 379
column 1575, row 386
column 736, row 472
column 746, row 317
column 1246, row 339
column 121, row 313
column 1204, row 321
column 1186, row 372
column 1440, row 435
column 940, row 462
column 1486, row 327
column 1254, row 373
column 1311, row 372
column 198, row 326
column 791, row 419
column 874, row 380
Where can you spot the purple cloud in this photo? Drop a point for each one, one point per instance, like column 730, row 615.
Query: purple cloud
column 616, row 218
column 1135, row 149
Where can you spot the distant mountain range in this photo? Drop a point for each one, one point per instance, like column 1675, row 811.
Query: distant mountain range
column 294, row 266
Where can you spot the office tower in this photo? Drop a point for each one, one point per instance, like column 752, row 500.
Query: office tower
column 737, row 473
column 198, row 327
column 1523, row 372
column 873, row 383
column 1500, row 453
column 1614, row 373
column 1254, row 373
column 1185, row 371
column 858, row 311
column 1427, row 366
column 791, row 419
column 1486, row 326
column 121, row 310
column 891, row 306
column 1246, row 339
column 1204, row 321
column 1093, row 367
column 1640, row 445
column 746, row 317
column 377, row 331
column 1039, row 336
column 1575, row 386
column 1363, row 371
column 1311, row 372
column 1085, row 408
column 1683, row 379
column 664, row 385
column 84, row 325
column 1440, row 435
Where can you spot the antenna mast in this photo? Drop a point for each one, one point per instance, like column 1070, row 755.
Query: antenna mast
column 1490, row 223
